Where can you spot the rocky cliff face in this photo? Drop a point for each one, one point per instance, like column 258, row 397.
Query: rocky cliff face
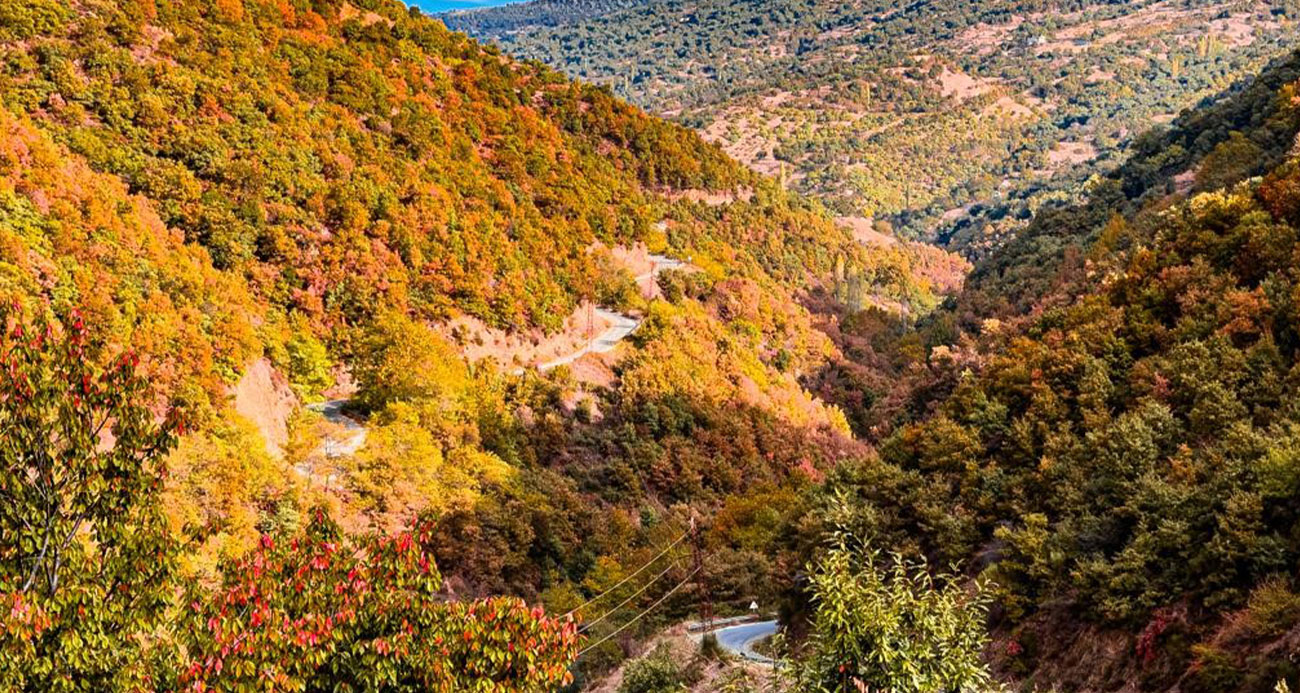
column 263, row 396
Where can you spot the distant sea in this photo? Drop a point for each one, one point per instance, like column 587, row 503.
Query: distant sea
column 432, row 6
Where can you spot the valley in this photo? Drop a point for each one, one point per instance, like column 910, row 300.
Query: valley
column 915, row 346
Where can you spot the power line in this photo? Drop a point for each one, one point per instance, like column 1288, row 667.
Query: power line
column 622, row 582
column 697, row 554
column 623, row 603
column 639, row 616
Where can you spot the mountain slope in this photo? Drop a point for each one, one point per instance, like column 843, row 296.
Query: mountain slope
column 942, row 116
column 357, row 157
column 1246, row 132
column 321, row 187
column 77, row 238
column 344, row 159
column 541, row 13
column 1112, row 443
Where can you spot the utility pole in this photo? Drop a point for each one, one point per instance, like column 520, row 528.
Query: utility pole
column 706, row 602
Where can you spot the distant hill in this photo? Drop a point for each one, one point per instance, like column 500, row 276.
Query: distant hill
column 954, row 120
column 536, row 13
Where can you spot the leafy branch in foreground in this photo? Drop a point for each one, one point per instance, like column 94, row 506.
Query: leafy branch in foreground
column 889, row 627
column 321, row 612
column 85, row 556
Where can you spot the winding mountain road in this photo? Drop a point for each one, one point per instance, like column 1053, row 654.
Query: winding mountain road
column 347, row 441
column 741, row 639
column 620, row 326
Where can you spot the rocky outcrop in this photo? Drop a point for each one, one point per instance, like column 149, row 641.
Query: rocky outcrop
column 263, row 396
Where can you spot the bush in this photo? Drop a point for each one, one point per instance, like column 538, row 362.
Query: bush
column 709, row 648
column 1213, row 670
column 1273, row 608
column 309, row 364
column 86, row 561
column 896, row 629
column 657, row 672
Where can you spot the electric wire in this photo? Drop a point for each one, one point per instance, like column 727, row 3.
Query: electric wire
column 639, row 616
column 623, row 603
column 622, row 582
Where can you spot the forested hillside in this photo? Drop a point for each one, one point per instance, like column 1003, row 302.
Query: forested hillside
column 224, row 210
column 216, row 213
column 1104, row 424
column 543, row 13
column 953, row 120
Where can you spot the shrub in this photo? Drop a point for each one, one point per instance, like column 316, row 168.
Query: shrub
column 895, row 628
column 320, row 611
column 1273, row 608
column 657, row 672
column 309, row 364
column 709, row 648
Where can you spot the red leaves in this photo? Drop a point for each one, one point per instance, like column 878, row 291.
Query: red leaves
column 1145, row 646
column 24, row 619
column 80, row 458
column 312, row 599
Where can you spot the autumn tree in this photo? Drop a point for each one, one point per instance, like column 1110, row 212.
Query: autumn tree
column 889, row 627
column 322, row 612
column 85, row 559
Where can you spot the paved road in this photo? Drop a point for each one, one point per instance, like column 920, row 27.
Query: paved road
column 620, row 326
column 659, row 263
column 740, row 640
column 347, row 441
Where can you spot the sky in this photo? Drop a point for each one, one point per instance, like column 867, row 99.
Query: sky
column 444, row 5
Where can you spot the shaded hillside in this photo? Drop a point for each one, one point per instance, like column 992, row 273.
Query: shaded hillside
column 1111, row 441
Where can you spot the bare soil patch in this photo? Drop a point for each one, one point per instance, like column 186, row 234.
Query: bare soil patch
column 864, row 231
column 1070, row 153
column 263, row 396
column 961, row 86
